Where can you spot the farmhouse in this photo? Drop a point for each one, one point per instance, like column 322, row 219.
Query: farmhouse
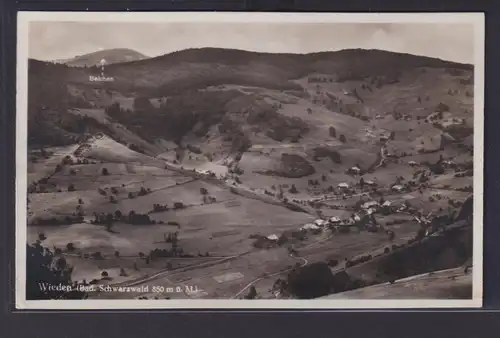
column 320, row 222
column 370, row 183
column 397, row 188
column 354, row 170
column 370, row 204
column 273, row 237
column 343, row 185
column 412, row 163
column 334, row 220
column 309, row 226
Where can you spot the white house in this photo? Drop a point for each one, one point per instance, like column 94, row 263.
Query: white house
column 370, row 204
column 387, row 204
column 320, row 222
column 343, row 185
column 309, row 226
column 370, row 183
column 397, row 187
column 272, row 237
column 412, row 163
column 354, row 170
column 370, row 211
column 334, row 220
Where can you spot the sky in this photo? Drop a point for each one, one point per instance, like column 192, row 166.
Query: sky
column 61, row 40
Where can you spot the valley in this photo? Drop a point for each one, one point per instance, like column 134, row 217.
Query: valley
column 253, row 175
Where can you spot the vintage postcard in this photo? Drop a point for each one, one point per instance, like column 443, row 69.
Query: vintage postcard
column 249, row 160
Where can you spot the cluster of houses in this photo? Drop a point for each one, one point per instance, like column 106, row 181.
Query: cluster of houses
column 363, row 217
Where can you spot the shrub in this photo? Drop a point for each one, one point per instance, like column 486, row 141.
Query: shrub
column 178, row 205
column 70, row 247
column 332, row 131
column 105, row 171
column 71, row 187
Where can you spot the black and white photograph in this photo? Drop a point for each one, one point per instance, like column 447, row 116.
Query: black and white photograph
column 249, row 160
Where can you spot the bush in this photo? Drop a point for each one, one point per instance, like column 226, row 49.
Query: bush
column 105, row 171
column 178, row 205
column 71, row 187
column 332, row 132
column 43, row 267
column 70, row 247
column 311, row 281
column 293, row 189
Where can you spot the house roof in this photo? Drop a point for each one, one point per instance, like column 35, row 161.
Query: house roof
column 369, row 204
column 343, row 185
column 273, row 237
column 309, row 226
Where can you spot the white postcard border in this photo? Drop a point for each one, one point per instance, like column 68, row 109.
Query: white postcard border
column 24, row 18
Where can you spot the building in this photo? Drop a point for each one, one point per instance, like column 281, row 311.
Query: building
column 273, row 237
column 320, row 222
column 370, row 204
column 397, row 188
column 343, row 185
column 309, row 226
column 334, row 220
column 354, row 170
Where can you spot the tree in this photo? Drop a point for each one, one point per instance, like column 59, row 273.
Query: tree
column 117, row 254
column 342, row 138
column 43, row 269
column 118, row 214
column 252, row 293
column 361, row 182
column 293, row 189
column 70, row 247
column 332, row 131
column 392, row 235
column 71, row 187
column 105, row 171
column 391, row 137
column 203, row 191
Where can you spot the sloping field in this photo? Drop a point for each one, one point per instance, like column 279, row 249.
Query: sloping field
column 447, row 284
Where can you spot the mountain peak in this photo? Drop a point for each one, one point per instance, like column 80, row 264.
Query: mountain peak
column 114, row 55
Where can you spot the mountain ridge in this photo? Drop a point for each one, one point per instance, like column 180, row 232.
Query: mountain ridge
column 112, row 56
